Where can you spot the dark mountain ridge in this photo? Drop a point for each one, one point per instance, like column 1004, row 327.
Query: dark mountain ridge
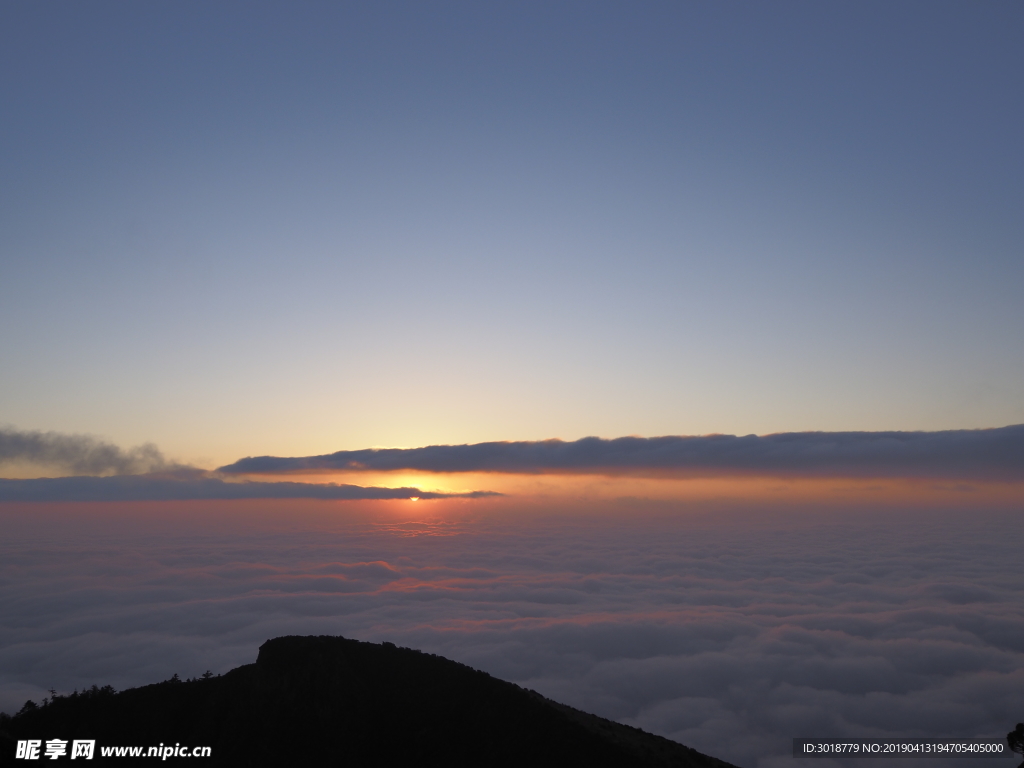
column 330, row 701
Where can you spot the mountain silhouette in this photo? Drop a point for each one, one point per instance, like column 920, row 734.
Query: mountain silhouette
column 330, row 701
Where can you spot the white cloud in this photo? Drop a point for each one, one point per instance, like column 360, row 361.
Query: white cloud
column 732, row 634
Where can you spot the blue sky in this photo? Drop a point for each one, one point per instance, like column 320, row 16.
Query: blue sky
column 290, row 229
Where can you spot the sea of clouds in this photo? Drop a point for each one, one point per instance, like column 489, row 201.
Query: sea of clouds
column 731, row 631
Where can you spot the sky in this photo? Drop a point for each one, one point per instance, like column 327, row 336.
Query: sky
column 665, row 358
column 266, row 229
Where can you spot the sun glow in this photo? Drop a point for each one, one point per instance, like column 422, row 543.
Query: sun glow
column 741, row 489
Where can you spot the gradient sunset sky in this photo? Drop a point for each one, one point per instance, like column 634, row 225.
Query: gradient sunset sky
column 243, row 229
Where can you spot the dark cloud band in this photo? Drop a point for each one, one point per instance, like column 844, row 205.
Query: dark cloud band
column 81, row 454
column 195, row 485
column 977, row 454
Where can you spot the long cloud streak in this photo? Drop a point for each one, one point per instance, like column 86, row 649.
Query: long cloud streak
column 978, row 454
column 195, row 484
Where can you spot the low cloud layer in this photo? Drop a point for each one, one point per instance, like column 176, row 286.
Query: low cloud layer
column 195, row 484
column 995, row 454
column 80, row 454
column 731, row 632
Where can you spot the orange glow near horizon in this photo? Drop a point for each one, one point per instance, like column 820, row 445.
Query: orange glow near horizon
column 563, row 488
column 636, row 503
